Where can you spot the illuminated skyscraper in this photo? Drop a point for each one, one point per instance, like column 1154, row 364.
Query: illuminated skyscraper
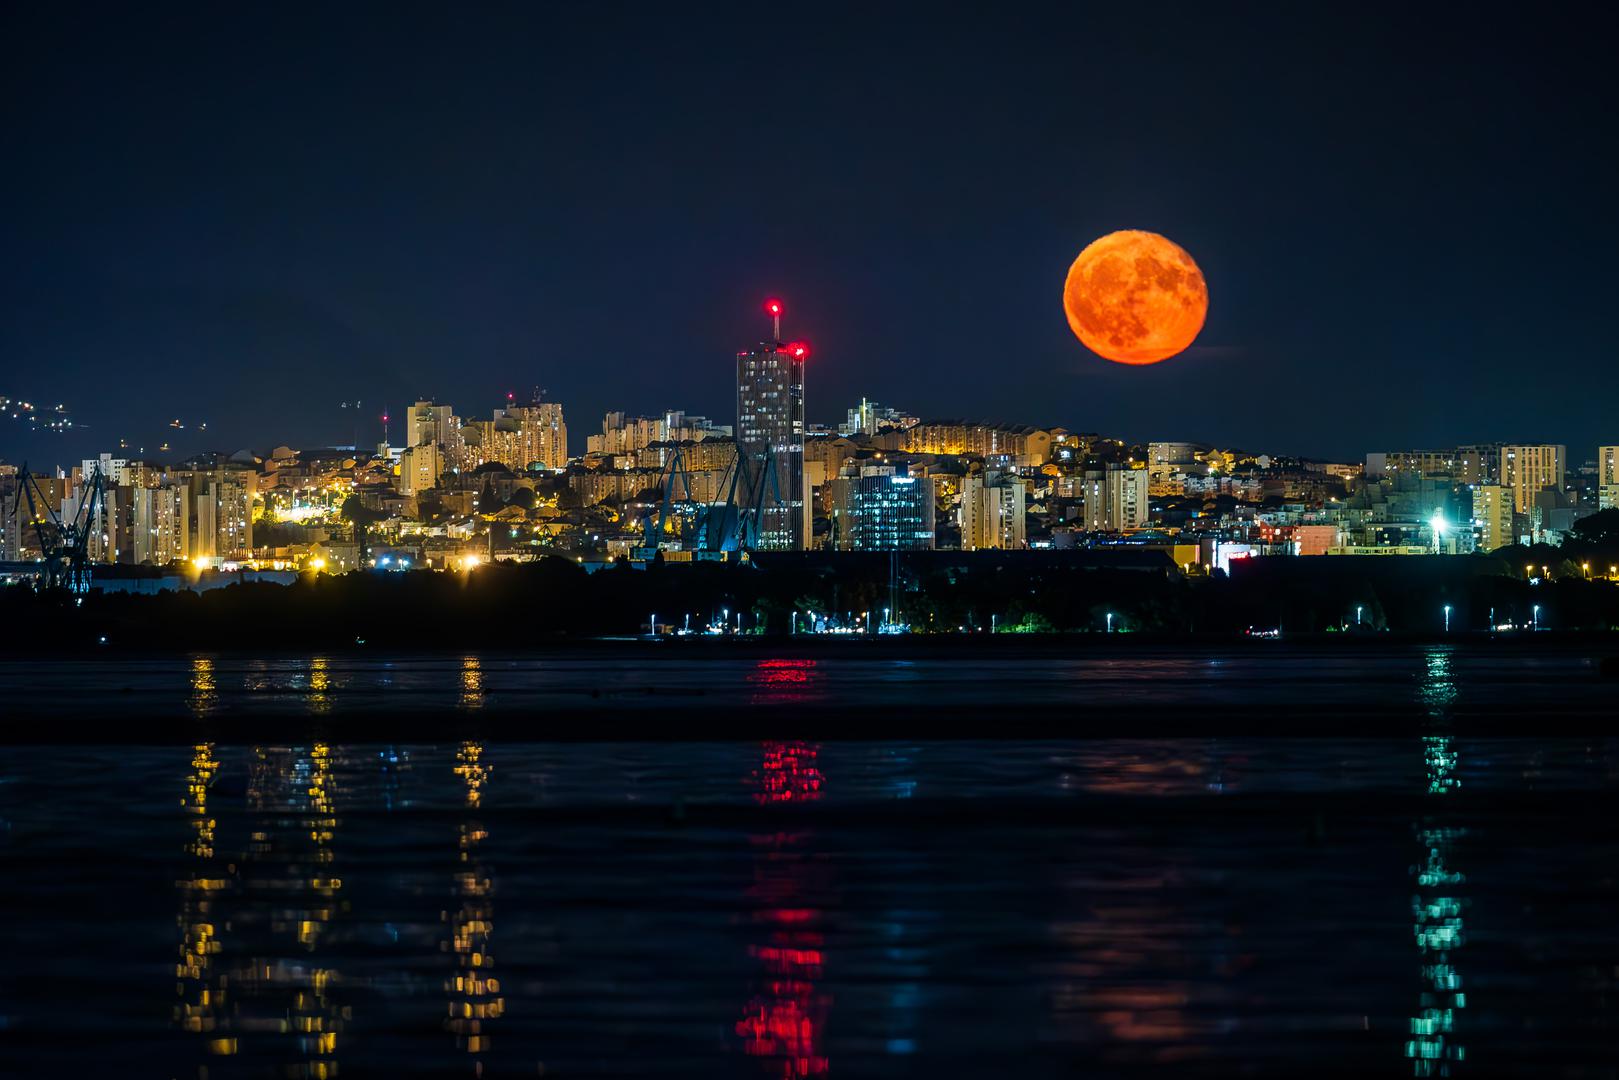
column 770, row 439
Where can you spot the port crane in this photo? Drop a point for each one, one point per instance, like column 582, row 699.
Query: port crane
column 64, row 540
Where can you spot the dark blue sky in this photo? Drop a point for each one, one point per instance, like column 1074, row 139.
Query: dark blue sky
column 247, row 215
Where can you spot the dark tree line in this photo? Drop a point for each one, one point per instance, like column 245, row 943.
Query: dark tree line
column 511, row 606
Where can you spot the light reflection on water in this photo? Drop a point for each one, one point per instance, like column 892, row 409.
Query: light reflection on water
column 1438, row 904
column 792, row 908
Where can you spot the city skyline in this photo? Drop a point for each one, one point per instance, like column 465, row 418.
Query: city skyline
column 808, row 540
column 336, row 220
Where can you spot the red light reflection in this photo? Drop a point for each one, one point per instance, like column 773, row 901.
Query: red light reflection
column 783, row 682
column 788, row 773
column 783, row 1022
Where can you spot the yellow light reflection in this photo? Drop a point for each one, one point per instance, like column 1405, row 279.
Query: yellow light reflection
column 471, row 683
column 204, row 697
column 474, row 994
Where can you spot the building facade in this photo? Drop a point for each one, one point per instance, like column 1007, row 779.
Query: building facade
column 1493, row 516
column 993, row 512
column 1115, row 499
column 162, row 525
column 877, row 509
column 1530, row 469
column 770, row 441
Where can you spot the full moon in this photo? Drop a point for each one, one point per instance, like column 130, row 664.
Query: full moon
column 1135, row 297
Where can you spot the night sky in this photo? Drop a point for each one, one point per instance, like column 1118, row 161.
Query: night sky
column 247, row 215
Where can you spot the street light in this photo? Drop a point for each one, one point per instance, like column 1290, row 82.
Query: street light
column 1447, row 618
column 654, row 624
column 1110, row 622
column 1537, row 616
column 1358, row 608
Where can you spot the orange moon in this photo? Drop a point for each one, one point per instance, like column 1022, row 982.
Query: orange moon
column 1135, row 297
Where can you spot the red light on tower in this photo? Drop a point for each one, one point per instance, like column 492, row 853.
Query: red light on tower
column 798, row 350
column 773, row 309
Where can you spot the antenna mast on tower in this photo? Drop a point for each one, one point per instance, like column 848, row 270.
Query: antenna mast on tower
column 773, row 309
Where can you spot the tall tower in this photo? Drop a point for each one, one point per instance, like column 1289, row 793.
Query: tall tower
column 770, row 438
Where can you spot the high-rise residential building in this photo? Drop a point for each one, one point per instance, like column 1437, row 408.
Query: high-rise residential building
column 1091, row 490
column 107, row 524
column 419, row 469
column 427, row 422
column 19, row 534
column 770, row 440
column 875, row 508
column 1127, row 499
column 1530, row 469
column 1493, row 516
column 520, row 436
column 113, row 470
column 993, row 511
column 224, row 518
column 1607, row 466
column 162, row 525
